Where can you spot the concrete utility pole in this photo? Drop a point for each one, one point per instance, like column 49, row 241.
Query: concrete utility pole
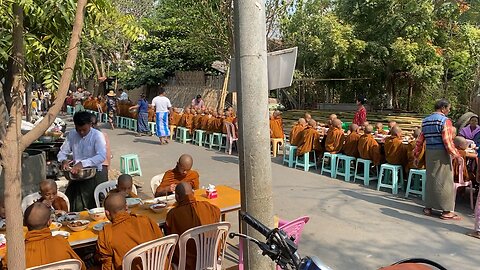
column 254, row 129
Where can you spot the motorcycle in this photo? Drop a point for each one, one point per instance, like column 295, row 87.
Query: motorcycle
column 281, row 249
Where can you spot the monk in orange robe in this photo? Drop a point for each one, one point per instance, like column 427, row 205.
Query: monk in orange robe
column 391, row 124
column 350, row 148
column 295, row 134
column 410, row 152
column 335, row 137
column 181, row 173
column 124, row 233
column 309, row 139
column 368, row 147
column 48, row 191
column 175, row 117
column 379, row 129
column 395, row 150
column 276, row 126
column 189, row 213
column 204, row 121
column 461, row 144
column 196, row 120
column 307, row 117
column 40, row 246
column 186, row 119
column 125, row 185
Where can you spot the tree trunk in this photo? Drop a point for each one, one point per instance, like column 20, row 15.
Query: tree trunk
column 7, row 87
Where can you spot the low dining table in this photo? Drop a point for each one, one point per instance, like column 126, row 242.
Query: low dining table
column 228, row 201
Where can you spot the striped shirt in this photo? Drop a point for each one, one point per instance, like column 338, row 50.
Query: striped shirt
column 448, row 133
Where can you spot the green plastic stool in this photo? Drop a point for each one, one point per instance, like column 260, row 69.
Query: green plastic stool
column 184, row 135
column 130, row 164
column 118, row 121
column 344, row 168
column 126, row 122
column 133, row 124
column 198, row 137
column 365, row 177
column 416, row 186
column 103, row 117
column 215, row 140
column 305, row 162
column 153, row 128
column 332, row 170
column 70, row 109
column 390, row 182
column 289, row 158
column 223, row 142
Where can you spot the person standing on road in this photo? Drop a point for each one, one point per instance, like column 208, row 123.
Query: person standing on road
column 142, row 116
column 438, row 134
column 162, row 110
column 111, row 108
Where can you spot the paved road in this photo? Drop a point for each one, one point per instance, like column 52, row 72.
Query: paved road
column 351, row 227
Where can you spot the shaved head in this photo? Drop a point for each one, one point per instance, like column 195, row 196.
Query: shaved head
column 332, row 117
column 302, row 121
column 184, row 164
column 396, row 131
column 312, row 123
column 379, row 125
column 337, row 123
column 37, row 216
column 182, row 189
column 125, row 183
column 353, row 127
column 48, row 184
column 307, row 116
column 391, row 124
column 416, row 132
column 115, row 203
column 368, row 129
column 460, row 142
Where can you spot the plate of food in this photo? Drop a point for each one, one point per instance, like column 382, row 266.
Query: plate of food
column 98, row 227
column 61, row 233
column 160, row 199
column 132, row 202
column 97, row 213
column 157, row 208
column 78, row 225
column 71, row 216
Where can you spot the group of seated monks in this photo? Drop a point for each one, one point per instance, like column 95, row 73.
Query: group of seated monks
column 207, row 119
column 126, row 230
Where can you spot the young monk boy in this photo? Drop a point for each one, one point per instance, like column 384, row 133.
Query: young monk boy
column 368, row 147
column 40, row 246
column 350, row 148
column 175, row 117
column 410, row 150
column 276, row 125
column 307, row 117
column 395, row 150
column 379, row 129
column 391, row 124
column 461, row 144
column 181, row 173
column 331, row 117
column 125, row 185
column 48, row 191
column 298, row 128
column 309, row 140
column 335, row 137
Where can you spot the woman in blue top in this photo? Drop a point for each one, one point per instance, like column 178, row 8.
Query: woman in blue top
column 142, row 121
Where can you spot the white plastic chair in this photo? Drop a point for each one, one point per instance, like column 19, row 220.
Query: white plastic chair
column 104, row 188
column 462, row 183
column 155, row 255
column 209, row 239
column 71, row 264
column 31, row 198
column 155, row 182
column 231, row 137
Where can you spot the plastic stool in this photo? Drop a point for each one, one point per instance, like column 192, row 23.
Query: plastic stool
column 384, row 180
column 415, row 190
column 126, row 122
column 118, row 122
column 172, row 129
column 206, row 139
column 70, row 110
column 366, row 171
column 177, row 133
column 292, row 149
column 184, row 135
column 133, row 124
column 103, row 117
column 347, row 168
column 153, row 127
column 333, row 164
column 218, row 137
column 129, row 164
column 275, row 143
column 305, row 163
column 198, row 137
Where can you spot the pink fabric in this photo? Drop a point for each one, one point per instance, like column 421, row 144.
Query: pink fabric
column 477, row 214
column 468, row 133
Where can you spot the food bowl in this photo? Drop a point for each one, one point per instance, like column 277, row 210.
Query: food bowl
column 97, row 213
column 157, row 208
column 71, row 216
column 55, row 226
column 85, row 173
column 78, row 225
column 98, row 227
column 132, row 202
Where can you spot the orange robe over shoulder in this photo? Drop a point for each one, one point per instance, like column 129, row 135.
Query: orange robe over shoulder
column 196, row 122
column 466, row 175
column 175, row 119
column 204, row 122
column 173, row 177
column 396, row 151
column 421, row 156
column 117, row 238
column 334, row 140
column 217, row 125
column 369, row 149
column 309, row 141
column 382, row 132
column 228, row 119
column 58, row 204
column 296, row 134
column 276, row 128
column 350, row 148
column 187, row 214
column 43, row 248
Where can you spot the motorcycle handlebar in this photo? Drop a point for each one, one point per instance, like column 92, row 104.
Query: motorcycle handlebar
column 254, row 223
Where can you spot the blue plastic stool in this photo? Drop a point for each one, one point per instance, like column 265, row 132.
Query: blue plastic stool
column 416, row 189
column 177, row 133
column 153, row 128
column 118, row 121
column 215, row 137
column 332, row 170
column 393, row 181
column 366, row 171
column 198, row 137
column 70, row 110
column 289, row 158
column 130, row 164
column 126, row 122
column 184, row 135
column 133, row 124
column 305, row 162
column 346, row 169
column 103, row 117
column 223, row 142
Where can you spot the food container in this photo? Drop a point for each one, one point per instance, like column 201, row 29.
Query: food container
column 78, row 225
column 132, row 202
column 85, row 173
column 64, row 234
column 72, row 216
column 159, row 207
column 211, row 192
column 97, row 213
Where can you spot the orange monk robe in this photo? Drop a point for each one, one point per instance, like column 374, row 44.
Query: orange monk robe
column 396, row 151
column 129, row 195
column 175, row 118
column 217, row 125
column 276, row 128
column 196, row 122
column 43, row 248
column 58, row 203
column 421, row 156
column 186, row 121
column 350, row 148
column 228, row 119
column 466, row 174
column 309, row 141
column 382, row 131
column 204, row 122
column 368, row 148
column 188, row 214
column 296, row 133
column 334, row 140
column 117, row 238
column 172, row 177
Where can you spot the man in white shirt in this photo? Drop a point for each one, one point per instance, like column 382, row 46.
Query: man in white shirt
column 162, row 108
column 123, row 95
column 88, row 147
